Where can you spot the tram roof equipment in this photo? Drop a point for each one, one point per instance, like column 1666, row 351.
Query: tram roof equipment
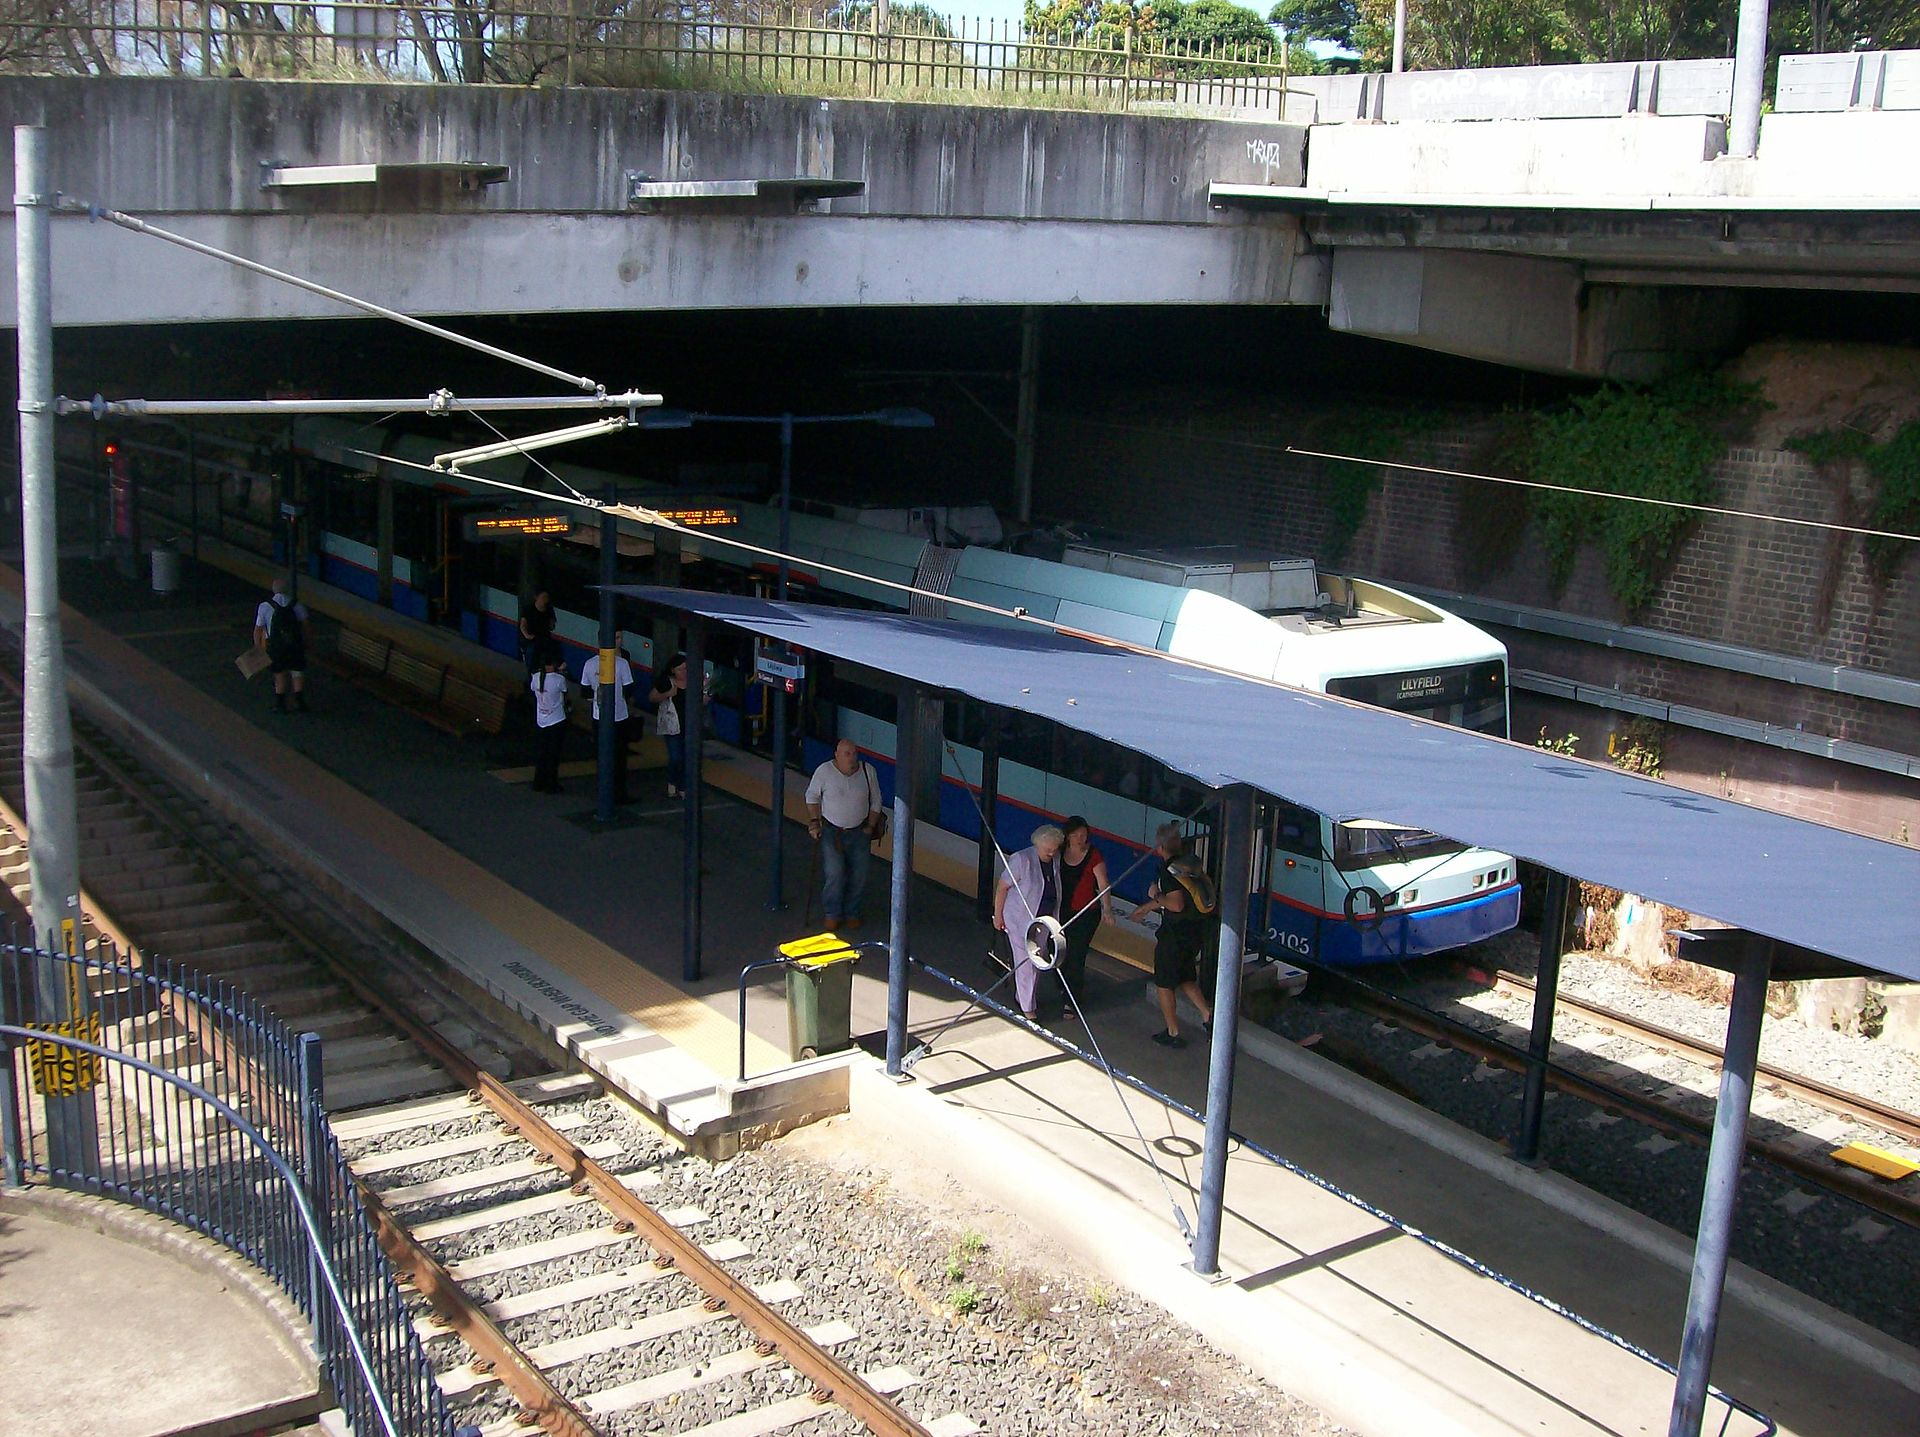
column 1802, row 884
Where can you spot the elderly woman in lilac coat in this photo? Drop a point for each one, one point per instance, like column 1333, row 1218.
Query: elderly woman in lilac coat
column 1029, row 888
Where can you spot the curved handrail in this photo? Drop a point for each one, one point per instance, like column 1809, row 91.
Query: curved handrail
column 292, row 1179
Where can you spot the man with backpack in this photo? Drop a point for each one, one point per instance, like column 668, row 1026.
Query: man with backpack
column 280, row 632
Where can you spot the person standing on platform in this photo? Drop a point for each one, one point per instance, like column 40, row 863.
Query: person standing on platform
column 1030, row 887
column 1083, row 879
column 1176, row 948
column 843, row 814
column 536, row 630
column 280, row 632
column 549, row 685
column 668, row 695
column 622, row 681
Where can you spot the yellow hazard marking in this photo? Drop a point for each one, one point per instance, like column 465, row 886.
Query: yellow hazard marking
column 61, row 1072
column 1878, row 1161
column 818, row 951
column 606, row 666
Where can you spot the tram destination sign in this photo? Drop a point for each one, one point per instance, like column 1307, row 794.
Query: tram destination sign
column 711, row 517
column 527, row 524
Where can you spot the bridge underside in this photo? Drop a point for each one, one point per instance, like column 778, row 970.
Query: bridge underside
column 519, row 264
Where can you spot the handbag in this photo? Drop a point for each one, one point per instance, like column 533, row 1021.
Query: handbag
column 877, row 817
column 666, row 718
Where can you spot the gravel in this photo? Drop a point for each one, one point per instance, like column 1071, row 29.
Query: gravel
column 1822, row 1244
column 994, row 1328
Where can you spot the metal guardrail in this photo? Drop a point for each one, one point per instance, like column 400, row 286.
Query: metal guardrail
column 528, row 42
column 145, row 1082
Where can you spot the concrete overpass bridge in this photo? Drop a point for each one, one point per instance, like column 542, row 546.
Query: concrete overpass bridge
column 1581, row 220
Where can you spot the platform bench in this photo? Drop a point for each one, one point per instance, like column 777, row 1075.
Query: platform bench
column 421, row 686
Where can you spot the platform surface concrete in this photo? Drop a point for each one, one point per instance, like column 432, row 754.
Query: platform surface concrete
column 1380, row 1330
column 117, row 1324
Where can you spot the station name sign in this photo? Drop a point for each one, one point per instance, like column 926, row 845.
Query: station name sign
column 714, row 518
column 481, row 527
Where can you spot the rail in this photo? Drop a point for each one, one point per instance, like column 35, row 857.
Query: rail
column 835, row 51
column 95, row 1096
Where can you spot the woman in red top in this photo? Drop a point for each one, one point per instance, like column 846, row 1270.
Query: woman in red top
column 1084, row 901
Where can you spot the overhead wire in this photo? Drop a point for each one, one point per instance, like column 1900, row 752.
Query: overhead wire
column 925, row 1047
column 1719, row 509
column 366, row 306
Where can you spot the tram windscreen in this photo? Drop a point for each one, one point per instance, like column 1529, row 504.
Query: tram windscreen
column 1469, row 696
column 1368, row 843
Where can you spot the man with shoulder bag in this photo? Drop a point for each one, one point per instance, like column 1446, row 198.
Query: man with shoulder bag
column 845, row 816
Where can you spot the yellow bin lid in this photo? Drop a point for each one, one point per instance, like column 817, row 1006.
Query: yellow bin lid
column 819, row 951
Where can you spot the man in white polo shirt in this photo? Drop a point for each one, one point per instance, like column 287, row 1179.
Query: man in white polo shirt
column 622, row 733
column 843, row 804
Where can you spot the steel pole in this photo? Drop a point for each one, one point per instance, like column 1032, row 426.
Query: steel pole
column 1546, row 989
column 989, row 873
column 1399, row 36
column 1236, row 883
column 906, row 763
column 1026, row 416
column 1721, row 1191
column 606, row 731
column 1749, row 77
column 696, row 727
column 46, row 749
column 776, row 897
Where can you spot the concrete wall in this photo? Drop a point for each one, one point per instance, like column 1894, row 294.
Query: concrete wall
column 1642, row 155
column 156, row 144
column 1226, row 472
column 962, row 205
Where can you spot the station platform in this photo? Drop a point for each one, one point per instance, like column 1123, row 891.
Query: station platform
column 152, row 1330
column 580, row 930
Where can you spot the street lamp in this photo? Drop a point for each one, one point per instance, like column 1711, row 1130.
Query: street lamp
column 892, row 418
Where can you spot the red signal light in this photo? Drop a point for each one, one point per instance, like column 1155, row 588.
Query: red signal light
column 112, row 449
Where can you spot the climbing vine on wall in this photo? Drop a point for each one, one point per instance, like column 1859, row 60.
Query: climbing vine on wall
column 1895, row 467
column 1365, row 432
column 1658, row 443
column 1896, row 464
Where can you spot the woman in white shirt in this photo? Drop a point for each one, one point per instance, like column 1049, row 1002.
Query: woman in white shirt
column 549, row 687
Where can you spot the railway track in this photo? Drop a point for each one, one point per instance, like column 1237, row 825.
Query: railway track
column 154, row 881
column 1856, row 1107
column 1579, row 1074
column 612, row 1301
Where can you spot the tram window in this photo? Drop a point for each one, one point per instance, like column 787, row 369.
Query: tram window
column 965, row 722
column 842, row 692
column 1167, row 790
column 1096, row 763
column 1297, row 830
column 1027, row 740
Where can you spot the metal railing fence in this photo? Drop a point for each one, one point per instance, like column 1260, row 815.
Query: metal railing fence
column 753, row 47
column 137, row 1079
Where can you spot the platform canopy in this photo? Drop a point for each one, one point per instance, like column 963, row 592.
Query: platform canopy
column 1801, row 883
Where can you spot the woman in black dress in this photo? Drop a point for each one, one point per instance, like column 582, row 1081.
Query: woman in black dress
column 1084, row 902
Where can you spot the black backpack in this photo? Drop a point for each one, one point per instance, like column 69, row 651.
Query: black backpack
column 283, row 632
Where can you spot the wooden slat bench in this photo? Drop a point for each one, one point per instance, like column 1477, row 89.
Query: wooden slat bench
column 421, row 686
column 475, row 709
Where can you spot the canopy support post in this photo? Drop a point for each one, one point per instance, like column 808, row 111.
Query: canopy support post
column 989, row 817
column 1236, row 880
column 1546, row 989
column 1721, row 1191
column 910, row 729
column 696, row 733
column 606, row 697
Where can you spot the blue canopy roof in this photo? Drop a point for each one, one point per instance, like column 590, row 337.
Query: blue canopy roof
column 1798, row 882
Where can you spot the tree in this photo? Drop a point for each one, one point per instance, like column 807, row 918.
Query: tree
column 1214, row 23
column 1326, row 22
